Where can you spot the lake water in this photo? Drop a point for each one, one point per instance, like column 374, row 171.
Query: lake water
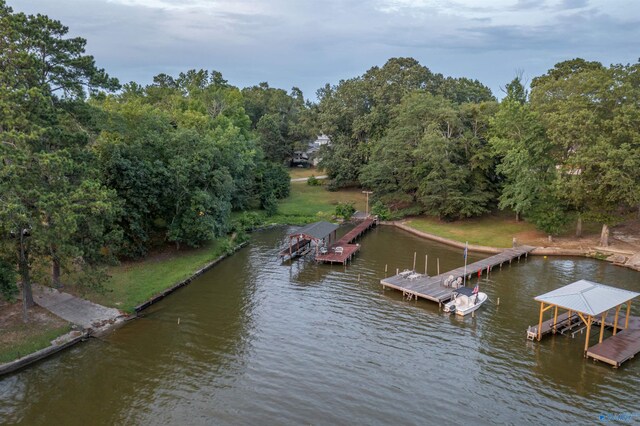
column 255, row 341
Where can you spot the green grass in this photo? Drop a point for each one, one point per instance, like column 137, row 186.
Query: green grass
column 33, row 340
column 311, row 203
column 301, row 172
column 493, row 231
column 133, row 283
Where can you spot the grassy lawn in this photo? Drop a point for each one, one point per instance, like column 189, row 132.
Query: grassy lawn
column 315, row 203
column 493, row 231
column 132, row 283
column 301, row 172
column 19, row 339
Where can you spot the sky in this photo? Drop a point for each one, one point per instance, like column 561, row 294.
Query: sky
column 309, row 43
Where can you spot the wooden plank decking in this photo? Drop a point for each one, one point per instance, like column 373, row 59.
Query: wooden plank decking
column 617, row 349
column 432, row 288
column 348, row 249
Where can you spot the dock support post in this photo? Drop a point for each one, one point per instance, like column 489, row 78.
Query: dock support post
column 426, row 262
column 604, row 317
column 397, row 271
column 498, row 302
column 385, row 267
column 615, row 320
column 586, row 340
column 540, row 321
column 626, row 320
column 414, row 261
column 438, row 266
column 555, row 319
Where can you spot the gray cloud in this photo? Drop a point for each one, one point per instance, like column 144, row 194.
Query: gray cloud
column 309, row 43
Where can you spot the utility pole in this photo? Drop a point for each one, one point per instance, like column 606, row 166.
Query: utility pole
column 367, row 210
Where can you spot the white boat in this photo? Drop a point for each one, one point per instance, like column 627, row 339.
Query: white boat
column 465, row 301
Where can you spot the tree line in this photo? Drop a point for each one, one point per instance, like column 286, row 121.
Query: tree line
column 567, row 149
column 92, row 171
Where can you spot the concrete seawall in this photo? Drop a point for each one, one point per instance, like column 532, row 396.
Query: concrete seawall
column 97, row 319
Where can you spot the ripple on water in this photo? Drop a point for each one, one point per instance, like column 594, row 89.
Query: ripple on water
column 255, row 341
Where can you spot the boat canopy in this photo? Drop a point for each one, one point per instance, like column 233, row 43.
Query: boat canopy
column 465, row 291
column 587, row 297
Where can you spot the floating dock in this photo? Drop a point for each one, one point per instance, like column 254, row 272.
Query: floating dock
column 433, row 288
column 343, row 250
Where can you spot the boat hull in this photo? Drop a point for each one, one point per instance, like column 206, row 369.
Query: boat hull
column 466, row 308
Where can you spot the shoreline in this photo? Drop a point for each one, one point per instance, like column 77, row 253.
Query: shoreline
column 630, row 261
column 75, row 337
column 72, row 338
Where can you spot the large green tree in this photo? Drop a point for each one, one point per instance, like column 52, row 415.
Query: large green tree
column 526, row 161
column 47, row 196
column 356, row 113
column 590, row 114
column 434, row 155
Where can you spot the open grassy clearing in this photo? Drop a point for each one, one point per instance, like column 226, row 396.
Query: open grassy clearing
column 133, row 282
column 493, row 231
column 315, row 203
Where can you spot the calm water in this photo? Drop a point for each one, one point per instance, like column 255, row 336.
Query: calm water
column 259, row 342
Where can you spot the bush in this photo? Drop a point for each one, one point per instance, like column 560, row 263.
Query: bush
column 8, row 286
column 380, row 210
column 270, row 205
column 407, row 211
column 313, row 181
column 345, row 210
column 248, row 221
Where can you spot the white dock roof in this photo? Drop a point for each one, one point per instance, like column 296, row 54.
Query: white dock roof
column 587, row 297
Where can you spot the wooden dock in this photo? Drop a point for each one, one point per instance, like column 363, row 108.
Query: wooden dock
column 343, row 250
column 617, row 349
column 433, row 288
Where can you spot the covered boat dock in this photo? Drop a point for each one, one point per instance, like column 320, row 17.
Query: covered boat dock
column 308, row 238
column 587, row 304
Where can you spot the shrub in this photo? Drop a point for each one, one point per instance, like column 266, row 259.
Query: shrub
column 270, row 205
column 380, row 210
column 8, row 286
column 345, row 210
column 313, row 181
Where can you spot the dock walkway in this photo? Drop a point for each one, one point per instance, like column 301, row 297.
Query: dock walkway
column 433, row 288
column 617, row 349
column 345, row 247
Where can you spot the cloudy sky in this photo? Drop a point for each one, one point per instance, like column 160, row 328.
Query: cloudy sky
column 308, row 43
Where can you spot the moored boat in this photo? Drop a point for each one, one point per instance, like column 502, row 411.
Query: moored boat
column 465, row 300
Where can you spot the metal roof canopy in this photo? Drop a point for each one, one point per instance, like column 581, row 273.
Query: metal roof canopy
column 317, row 230
column 587, row 297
